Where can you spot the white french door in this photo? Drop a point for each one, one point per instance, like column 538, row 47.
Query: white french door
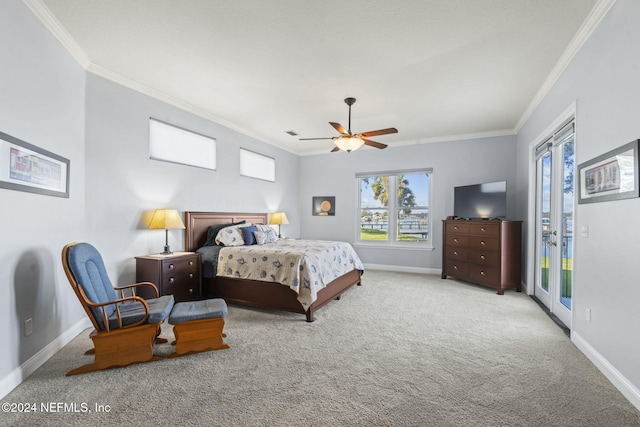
column 554, row 226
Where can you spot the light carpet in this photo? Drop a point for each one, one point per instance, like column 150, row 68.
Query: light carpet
column 401, row 350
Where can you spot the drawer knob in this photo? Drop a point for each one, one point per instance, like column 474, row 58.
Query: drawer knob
column 455, row 227
column 482, row 273
column 455, row 253
column 171, row 280
column 170, row 266
column 483, row 229
column 482, row 257
column 483, row 243
column 190, row 262
column 190, row 275
column 455, row 267
column 190, row 290
column 455, row 240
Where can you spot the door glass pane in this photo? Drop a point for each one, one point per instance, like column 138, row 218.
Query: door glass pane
column 544, row 211
column 567, row 223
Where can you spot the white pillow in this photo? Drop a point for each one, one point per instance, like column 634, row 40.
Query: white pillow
column 268, row 236
column 231, row 236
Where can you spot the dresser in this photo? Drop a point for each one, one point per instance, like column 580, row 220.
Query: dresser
column 484, row 252
column 177, row 274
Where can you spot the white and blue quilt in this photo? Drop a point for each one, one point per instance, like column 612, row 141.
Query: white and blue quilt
column 306, row 266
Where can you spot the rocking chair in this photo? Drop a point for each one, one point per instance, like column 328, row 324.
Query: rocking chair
column 126, row 327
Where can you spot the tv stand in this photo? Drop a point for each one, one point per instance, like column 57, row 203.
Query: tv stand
column 483, row 252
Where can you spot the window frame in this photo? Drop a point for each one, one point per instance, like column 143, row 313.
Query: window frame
column 392, row 209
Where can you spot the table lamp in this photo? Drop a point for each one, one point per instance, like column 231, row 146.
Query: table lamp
column 166, row 218
column 278, row 218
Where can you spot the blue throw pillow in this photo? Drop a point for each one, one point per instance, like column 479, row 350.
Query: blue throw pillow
column 247, row 235
column 213, row 232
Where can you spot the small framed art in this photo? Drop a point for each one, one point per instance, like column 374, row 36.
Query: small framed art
column 324, row 206
column 25, row 167
column 610, row 176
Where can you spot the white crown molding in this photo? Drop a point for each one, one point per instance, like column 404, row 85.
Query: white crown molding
column 52, row 24
column 43, row 13
column 588, row 27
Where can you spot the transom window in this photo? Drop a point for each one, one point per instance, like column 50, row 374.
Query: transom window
column 394, row 207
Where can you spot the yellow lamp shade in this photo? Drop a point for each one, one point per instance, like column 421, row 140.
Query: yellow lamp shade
column 166, row 218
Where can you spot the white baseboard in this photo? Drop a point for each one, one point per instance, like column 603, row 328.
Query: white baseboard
column 620, row 382
column 19, row 374
column 402, row 269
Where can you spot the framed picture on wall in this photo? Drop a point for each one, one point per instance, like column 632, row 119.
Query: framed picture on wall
column 25, row 167
column 324, row 206
column 610, row 176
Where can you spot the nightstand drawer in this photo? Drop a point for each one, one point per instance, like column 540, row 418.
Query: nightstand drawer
column 177, row 274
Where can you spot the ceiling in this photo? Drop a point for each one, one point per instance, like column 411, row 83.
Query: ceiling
column 434, row 69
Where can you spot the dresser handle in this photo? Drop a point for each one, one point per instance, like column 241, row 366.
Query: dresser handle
column 455, row 267
column 483, row 243
column 455, row 253
column 483, row 229
column 482, row 273
column 190, row 275
column 482, row 257
column 455, row 240
column 190, row 290
column 170, row 266
column 190, row 262
column 171, row 280
column 455, row 227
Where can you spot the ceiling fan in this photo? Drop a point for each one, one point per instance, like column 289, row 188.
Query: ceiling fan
column 348, row 141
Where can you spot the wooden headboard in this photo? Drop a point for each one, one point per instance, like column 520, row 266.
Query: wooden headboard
column 197, row 224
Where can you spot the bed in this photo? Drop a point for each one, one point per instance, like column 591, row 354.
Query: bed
column 259, row 293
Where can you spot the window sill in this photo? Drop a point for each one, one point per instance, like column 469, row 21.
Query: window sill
column 390, row 246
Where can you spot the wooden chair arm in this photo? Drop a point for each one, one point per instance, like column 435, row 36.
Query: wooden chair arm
column 117, row 303
column 135, row 285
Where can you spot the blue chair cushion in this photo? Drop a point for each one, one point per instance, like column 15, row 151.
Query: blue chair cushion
column 133, row 311
column 88, row 269
column 198, row 310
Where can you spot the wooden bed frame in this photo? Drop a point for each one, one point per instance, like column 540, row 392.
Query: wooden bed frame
column 252, row 292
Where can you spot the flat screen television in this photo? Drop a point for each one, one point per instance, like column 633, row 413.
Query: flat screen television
column 481, row 201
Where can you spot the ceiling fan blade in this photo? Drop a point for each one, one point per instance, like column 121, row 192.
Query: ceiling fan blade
column 339, row 128
column 378, row 132
column 335, row 149
column 312, row 139
column 374, row 144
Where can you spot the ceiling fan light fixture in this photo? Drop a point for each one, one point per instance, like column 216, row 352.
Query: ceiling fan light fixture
column 348, row 143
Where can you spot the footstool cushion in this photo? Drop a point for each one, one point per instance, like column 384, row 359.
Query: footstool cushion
column 197, row 310
column 198, row 326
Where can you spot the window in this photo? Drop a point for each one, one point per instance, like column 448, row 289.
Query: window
column 394, row 207
column 173, row 144
column 256, row 165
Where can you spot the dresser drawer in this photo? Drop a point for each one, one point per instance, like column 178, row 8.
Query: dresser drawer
column 481, row 257
column 457, row 240
column 484, row 274
column 484, row 243
column 456, row 268
column 457, row 253
column 458, row 227
column 485, row 229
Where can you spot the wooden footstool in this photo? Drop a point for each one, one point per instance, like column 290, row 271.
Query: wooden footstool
column 198, row 326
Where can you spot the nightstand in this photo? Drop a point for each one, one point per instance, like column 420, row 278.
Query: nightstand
column 177, row 274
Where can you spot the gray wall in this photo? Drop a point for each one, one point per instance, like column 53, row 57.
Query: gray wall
column 124, row 185
column 48, row 100
column 603, row 78
column 454, row 163
column 42, row 103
